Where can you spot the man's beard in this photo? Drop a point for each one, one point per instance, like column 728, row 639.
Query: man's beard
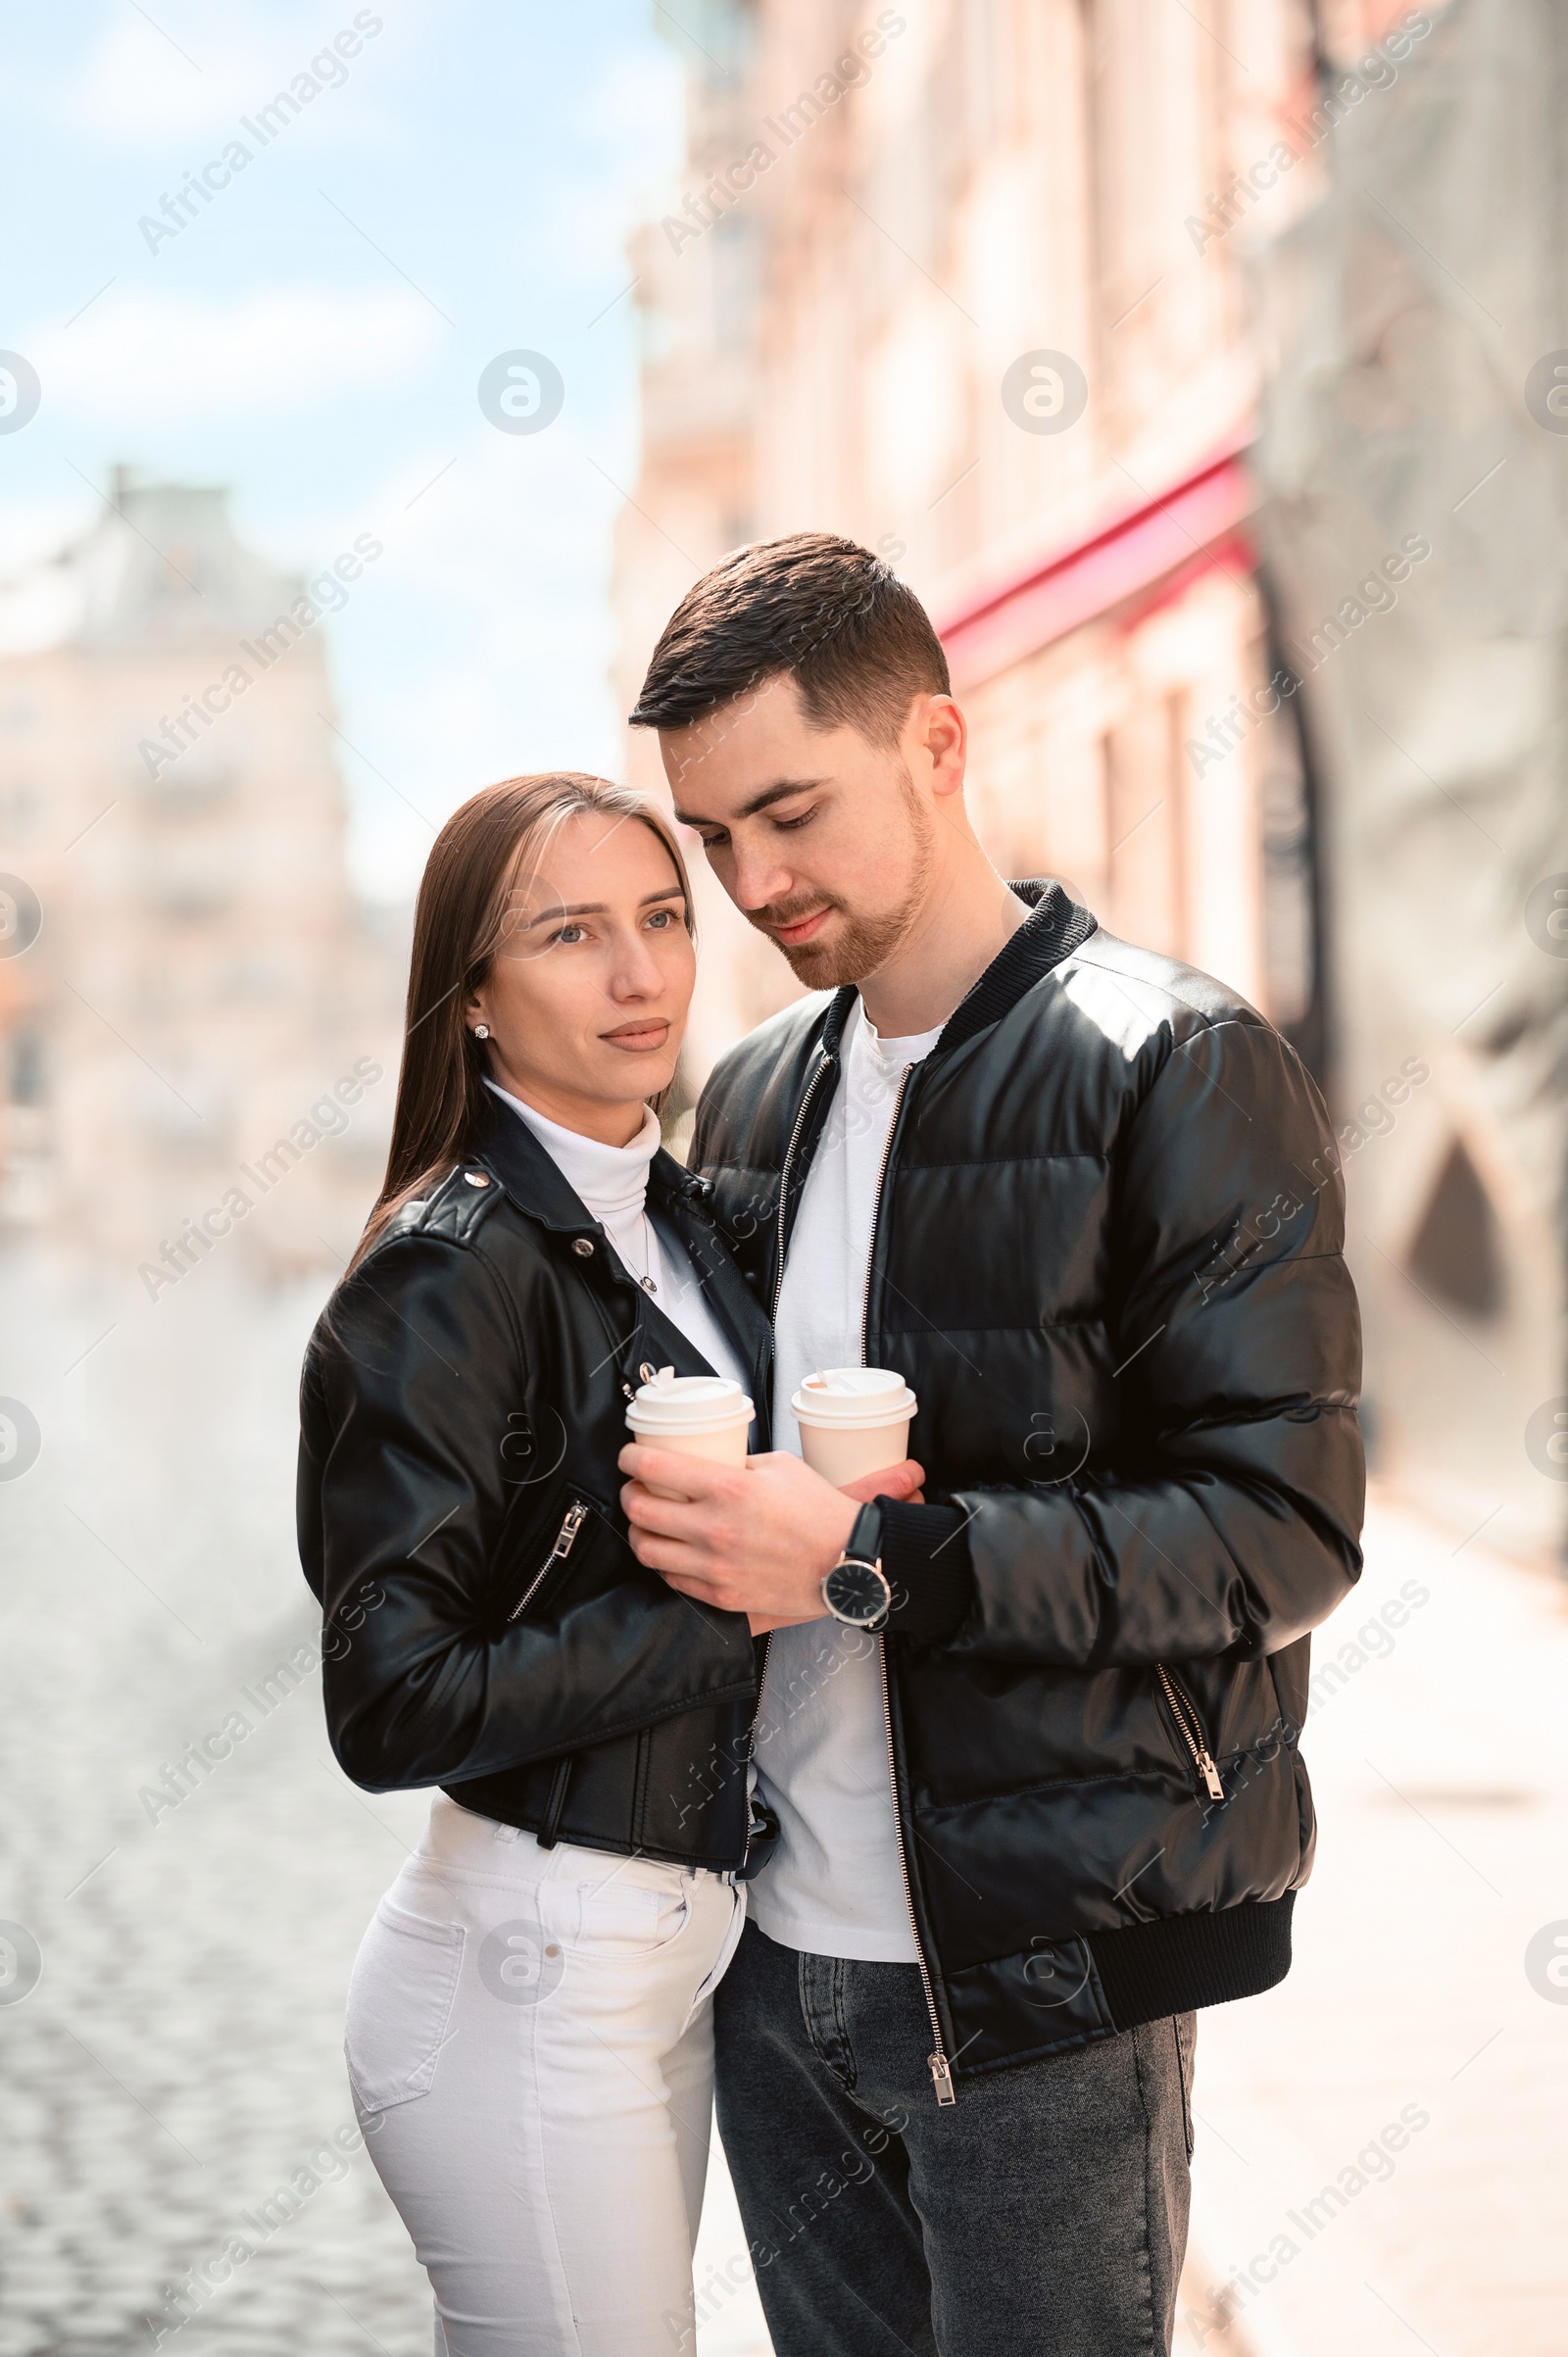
column 858, row 947
column 861, row 943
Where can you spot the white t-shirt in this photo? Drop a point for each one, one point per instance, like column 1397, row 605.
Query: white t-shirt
column 834, row 1885
column 612, row 1183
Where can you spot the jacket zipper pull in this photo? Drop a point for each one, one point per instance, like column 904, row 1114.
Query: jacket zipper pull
column 1210, row 1775
column 565, row 1540
column 942, row 2078
column 568, row 1530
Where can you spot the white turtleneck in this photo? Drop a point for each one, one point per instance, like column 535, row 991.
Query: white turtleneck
column 612, row 1183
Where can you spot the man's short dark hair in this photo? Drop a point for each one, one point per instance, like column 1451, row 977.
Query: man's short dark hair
column 857, row 643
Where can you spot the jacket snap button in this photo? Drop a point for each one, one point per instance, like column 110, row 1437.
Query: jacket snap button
column 582, row 1246
column 477, row 1178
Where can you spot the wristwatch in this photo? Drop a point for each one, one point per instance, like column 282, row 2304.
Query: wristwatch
column 857, row 1591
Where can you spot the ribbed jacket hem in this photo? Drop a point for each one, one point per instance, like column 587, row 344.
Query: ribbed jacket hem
column 1184, row 1961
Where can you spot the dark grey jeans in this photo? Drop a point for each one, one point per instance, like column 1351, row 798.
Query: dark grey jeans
column 1042, row 2215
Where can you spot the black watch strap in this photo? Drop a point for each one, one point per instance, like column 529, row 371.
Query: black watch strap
column 865, row 1542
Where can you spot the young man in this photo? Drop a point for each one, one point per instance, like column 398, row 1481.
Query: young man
column 1032, row 1742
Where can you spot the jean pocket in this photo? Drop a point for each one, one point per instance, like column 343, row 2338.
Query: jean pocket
column 612, row 1917
column 727, row 1953
column 1185, row 2026
column 401, row 1993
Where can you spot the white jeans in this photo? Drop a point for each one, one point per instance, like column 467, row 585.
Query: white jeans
column 530, row 2048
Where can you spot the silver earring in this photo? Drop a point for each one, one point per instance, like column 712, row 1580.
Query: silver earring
column 481, row 1031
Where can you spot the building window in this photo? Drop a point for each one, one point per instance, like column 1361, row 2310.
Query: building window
column 736, row 280
column 726, row 33
column 1457, row 1254
column 28, row 1078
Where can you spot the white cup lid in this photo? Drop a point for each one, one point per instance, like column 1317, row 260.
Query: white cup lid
column 854, row 1397
column 675, row 1403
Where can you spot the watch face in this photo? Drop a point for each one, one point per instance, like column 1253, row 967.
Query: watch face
column 856, row 1592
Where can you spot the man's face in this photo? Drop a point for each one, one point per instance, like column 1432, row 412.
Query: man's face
column 824, row 841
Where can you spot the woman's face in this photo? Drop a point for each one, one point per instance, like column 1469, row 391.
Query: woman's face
column 586, row 998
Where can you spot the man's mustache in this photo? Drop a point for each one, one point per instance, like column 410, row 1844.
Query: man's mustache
column 787, row 912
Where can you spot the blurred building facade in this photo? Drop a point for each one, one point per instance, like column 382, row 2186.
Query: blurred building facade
column 958, row 281
column 1419, row 401
column 205, row 1015
column 1003, row 291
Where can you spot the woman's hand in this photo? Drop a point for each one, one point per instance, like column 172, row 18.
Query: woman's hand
column 888, row 1484
column 757, row 1538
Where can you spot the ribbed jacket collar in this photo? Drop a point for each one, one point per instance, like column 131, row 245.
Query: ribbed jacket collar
column 1058, row 926
column 535, row 1181
column 612, row 1181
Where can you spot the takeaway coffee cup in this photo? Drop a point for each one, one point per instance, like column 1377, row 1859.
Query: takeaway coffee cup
column 696, row 1415
column 854, row 1421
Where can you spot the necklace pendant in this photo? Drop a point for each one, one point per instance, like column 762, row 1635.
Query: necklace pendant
column 648, row 1285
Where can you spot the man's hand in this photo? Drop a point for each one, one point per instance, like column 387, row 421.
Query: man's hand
column 756, row 1538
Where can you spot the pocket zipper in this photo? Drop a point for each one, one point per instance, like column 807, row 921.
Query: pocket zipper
column 565, row 1540
column 1184, row 1712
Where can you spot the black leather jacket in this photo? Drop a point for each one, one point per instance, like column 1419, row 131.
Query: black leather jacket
column 1107, row 1257
column 487, row 1626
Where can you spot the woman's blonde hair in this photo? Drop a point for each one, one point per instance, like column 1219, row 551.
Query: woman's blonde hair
column 499, row 837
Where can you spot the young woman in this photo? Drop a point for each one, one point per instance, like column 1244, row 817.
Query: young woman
column 529, row 2028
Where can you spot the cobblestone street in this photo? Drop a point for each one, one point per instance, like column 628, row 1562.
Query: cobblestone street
column 178, row 2061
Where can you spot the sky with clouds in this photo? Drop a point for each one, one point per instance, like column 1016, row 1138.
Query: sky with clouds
column 464, row 186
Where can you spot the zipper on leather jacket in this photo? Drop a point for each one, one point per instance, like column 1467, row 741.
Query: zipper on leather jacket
column 876, row 1204
column 800, row 1110
column 1185, row 1713
column 799, row 1123
column 565, row 1540
column 937, row 2062
column 751, row 1749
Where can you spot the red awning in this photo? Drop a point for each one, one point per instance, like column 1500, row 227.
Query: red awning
column 1157, row 545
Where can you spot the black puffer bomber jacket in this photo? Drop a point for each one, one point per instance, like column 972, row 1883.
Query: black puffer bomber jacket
column 1107, row 1257
column 487, row 1626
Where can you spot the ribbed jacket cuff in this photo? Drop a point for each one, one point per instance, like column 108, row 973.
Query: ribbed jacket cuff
column 925, row 1554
